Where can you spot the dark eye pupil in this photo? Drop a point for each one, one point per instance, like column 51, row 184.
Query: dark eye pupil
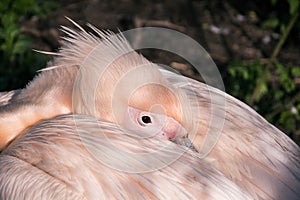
column 146, row 119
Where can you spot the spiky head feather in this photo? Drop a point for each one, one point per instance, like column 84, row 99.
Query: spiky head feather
column 111, row 76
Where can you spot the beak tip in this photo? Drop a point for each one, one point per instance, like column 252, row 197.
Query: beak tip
column 184, row 141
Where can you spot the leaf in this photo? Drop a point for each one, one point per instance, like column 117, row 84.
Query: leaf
column 21, row 46
column 262, row 89
column 294, row 6
column 232, row 72
column 278, row 94
column 284, row 77
column 282, row 28
column 298, row 107
column 271, row 23
column 245, row 74
column 286, row 118
column 273, row 2
column 296, row 71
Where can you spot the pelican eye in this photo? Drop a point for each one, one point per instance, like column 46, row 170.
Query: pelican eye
column 146, row 119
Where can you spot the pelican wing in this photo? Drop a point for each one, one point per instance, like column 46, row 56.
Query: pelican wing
column 250, row 151
column 78, row 157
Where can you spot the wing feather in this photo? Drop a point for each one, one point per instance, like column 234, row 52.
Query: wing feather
column 96, row 159
column 250, row 151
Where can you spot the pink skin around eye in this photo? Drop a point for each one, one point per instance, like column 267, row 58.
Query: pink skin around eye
column 167, row 126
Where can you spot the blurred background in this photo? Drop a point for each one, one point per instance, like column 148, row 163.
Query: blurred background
column 255, row 44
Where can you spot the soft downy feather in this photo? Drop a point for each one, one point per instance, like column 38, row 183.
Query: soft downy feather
column 65, row 158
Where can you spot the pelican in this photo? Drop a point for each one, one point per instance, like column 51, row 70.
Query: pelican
column 103, row 77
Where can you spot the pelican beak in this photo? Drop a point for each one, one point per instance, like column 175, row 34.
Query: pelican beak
column 176, row 133
column 173, row 129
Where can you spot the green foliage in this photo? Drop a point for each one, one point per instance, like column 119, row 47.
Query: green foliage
column 294, row 6
column 271, row 90
column 17, row 62
column 275, row 21
column 268, row 85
